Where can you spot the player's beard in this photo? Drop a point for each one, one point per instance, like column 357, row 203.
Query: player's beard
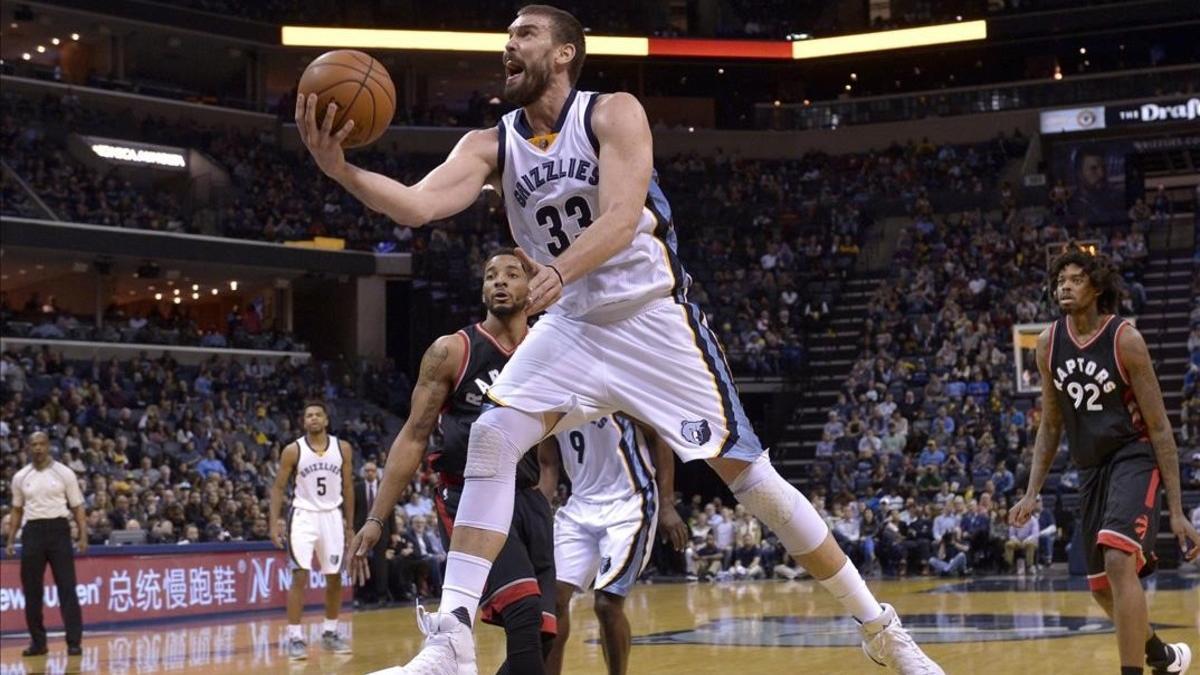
column 505, row 311
column 534, row 81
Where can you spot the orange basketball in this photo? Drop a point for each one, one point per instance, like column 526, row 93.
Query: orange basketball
column 361, row 88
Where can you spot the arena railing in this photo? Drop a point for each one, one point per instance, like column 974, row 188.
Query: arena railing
column 1106, row 87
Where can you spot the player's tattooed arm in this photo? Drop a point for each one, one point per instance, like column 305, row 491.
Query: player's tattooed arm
column 287, row 465
column 1049, row 434
column 439, row 367
column 1135, row 359
column 548, row 462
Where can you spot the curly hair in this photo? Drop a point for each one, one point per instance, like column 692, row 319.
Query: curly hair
column 1099, row 270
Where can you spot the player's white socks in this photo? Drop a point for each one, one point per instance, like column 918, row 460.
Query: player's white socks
column 850, row 590
column 466, row 576
column 295, row 631
column 329, row 626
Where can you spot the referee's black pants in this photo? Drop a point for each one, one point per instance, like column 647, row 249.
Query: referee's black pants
column 42, row 541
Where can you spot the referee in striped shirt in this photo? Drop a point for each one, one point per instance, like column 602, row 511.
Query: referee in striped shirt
column 45, row 493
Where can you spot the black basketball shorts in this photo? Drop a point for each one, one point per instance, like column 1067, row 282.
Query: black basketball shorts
column 525, row 566
column 1119, row 501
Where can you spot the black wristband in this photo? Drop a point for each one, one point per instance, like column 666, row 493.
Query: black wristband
column 561, row 283
column 377, row 521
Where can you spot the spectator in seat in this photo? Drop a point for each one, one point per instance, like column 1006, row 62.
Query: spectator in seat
column 1047, row 533
column 211, row 465
column 975, row 526
column 1191, row 473
column 746, row 560
column 951, row 556
column 1023, row 538
column 709, row 559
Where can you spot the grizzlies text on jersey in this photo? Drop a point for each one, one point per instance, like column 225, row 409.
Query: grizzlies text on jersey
column 552, row 193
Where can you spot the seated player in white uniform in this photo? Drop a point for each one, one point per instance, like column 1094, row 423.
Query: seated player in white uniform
column 605, row 532
column 321, row 514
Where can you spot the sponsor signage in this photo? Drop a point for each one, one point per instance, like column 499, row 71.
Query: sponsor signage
column 137, row 154
column 119, row 588
column 1093, row 118
column 1179, row 110
column 1090, row 118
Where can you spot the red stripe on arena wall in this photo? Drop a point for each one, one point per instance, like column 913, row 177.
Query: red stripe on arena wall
column 732, row 49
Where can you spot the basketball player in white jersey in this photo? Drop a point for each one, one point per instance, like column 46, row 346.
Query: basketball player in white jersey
column 605, row 532
column 594, row 230
column 321, row 515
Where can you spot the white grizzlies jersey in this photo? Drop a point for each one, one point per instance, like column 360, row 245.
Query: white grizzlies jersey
column 552, row 193
column 606, row 459
column 318, row 477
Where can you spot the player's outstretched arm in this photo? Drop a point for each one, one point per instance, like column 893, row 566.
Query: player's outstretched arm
column 287, row 465
column 439, row 367
column 1135, row 358
column 626, row 162
column 445, row 191
column 1048, row 435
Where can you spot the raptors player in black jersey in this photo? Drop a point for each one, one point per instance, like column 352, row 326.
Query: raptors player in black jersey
column 1099, row 386
column 456, row 372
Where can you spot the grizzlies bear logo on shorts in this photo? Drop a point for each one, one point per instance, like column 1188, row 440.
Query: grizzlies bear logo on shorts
column 333, row 560
column 696, row 432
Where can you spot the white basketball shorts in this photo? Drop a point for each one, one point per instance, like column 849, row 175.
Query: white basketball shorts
column 320, row 533
column 661, row 366
column 609, row 541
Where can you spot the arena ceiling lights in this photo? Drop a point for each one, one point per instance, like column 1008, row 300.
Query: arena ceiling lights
column 604, row 45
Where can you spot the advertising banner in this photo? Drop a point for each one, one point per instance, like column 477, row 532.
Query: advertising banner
column 122, row 588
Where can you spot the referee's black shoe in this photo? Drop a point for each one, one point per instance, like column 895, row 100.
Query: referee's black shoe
column 74, row 650
column 35, row 650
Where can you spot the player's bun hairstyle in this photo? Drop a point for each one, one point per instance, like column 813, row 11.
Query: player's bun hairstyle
column 566, row 30
column 1100, row 272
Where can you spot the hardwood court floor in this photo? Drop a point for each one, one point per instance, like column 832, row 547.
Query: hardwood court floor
column 992, row 625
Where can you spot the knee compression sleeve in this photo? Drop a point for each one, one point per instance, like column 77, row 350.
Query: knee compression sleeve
column 498, row 439
column 781, row 506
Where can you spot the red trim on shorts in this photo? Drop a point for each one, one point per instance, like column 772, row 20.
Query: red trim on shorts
column 1152, row 491
column 462, row 368
column 1098, row 582
column 549, row 623
column 1117, row 351
column 443, row 514
column 1115, row 541
column 501, row 599
column 1097, row 334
